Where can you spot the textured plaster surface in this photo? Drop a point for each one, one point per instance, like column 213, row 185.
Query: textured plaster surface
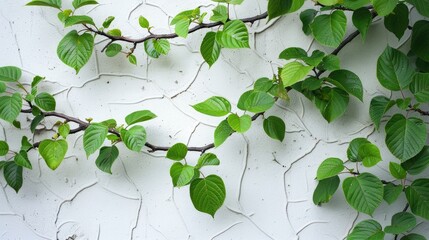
column 269, row 184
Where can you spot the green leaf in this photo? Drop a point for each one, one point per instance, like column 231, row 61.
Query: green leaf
column 257, row 102
column 36, row 81
column 401, row 222
column 330, row 29
column 75, row 50
column 106, row 158
column 418, row 163
column 397, row 21
column 277, row 8
column 334, row 103
column 362, row 19
column 293, row 53
column 46, row 3
column 108, row 21
column 394, row 70
column 80, row 3
column 397, row 171
column 45, row 101
column 422, row 6
column 384, row 7
column 210, row 48
column 10, row 74
column 420, row 87
column 391, row 192
column 220, row 14
column 188, row 14
column 53, row 152
column 214, row 106
column 325, row 190
column 208, row 194
column 161, row 46
column 134, row 138
column 143, row 22
column 21, row 159
column 239, row 124
column 330, row 167
column 294, row 72
column 182, row 27
column 367, row 230
column 94, row 137
column 364, row 192
column 378, row 107
column 413, row 236
column 418, row 197
column 263, row 84
column 13, row 175
column 405, row 138
column 355, row 4
column 75, row 19
column 370, row 154
column 419, row 38
column 10, row 107
column 150, row 48
column 177, row 152
column 113, row 49
column 132, row 59
column 35, row 122
column 4, row 148
column 330, row 63
column 222, row 132
column 307, row 18
column 275, row 128
column 353, row 149
column 233, row 35
column 207, row 159
column 25, row 144
column 114, row 32
column 348, row 81
column 181, row 175
column 64, row 130
column 296, row 5
column 139, row 116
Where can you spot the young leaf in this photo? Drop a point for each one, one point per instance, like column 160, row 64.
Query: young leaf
column 46, row 3
column 134, row 138
column 378, row 107
column 10, row 107
column 330, row 29
column 10, row 74
column 222, row 132
column 80, row 3
column 45, row 101
column 362, row 19
column 21, row 159
column 405, row 138
column 143, row 22
column 397, row 21
column 94, row 137
column 401, row 222
column 106, row 158
column 418, row 163
column 177, row 152
column 108, row 21
column 182, row 27
column 325, row 190
column 277, row 8
column 132, row 59
column 418, row 197
column 13, row 175
column 208, row 194
column 181, row 175
column 294, row 72
column 162, row 46
column 113, row 49
column 239, row 124
column 391, row 192
column 64, row 130
column 220, row 14
column 275, row 128
column 214, row 106
column 53, row 152
column 394, row 70
column 233, row 35
column 75, row 50
column 384, row 7
column 139, row 116
column 75, row 19
column 367, row 230
column 364, row 192
column 114, row 32
column 210, row 48
column 397, row 171
column 207, row 159
column 348, row 81
column 329, row 168
column 4, row 148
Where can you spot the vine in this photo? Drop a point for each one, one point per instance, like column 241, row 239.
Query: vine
column 303, row 72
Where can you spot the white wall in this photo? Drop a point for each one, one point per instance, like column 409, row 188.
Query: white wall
column 265, row 199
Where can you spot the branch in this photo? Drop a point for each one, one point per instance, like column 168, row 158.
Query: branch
column 422, row 112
